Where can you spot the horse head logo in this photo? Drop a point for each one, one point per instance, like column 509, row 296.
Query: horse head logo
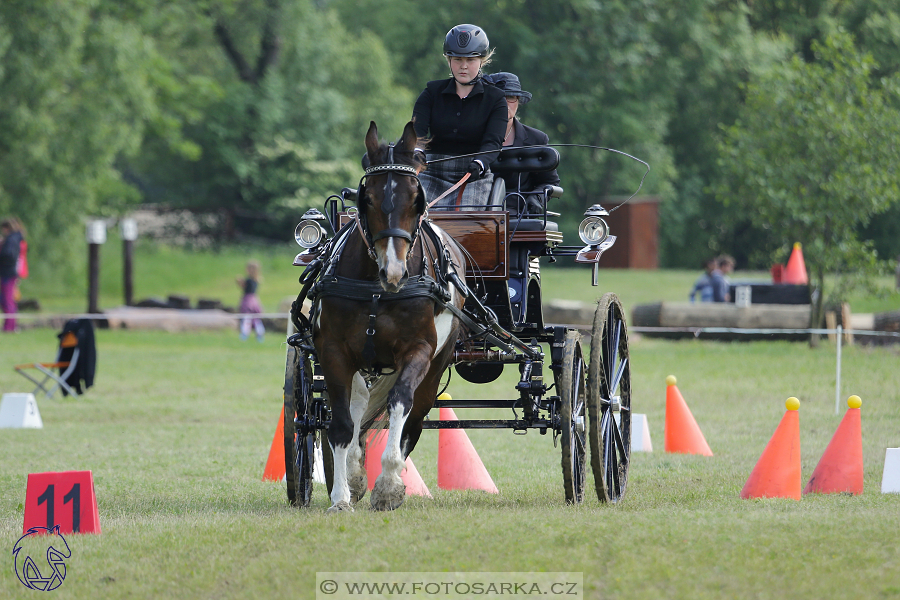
column 57, row 551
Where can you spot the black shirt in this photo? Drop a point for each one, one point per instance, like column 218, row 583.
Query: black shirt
column 461, row 125
column 9, row 254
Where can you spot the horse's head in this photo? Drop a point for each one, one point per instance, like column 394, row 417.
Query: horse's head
column 390, row 202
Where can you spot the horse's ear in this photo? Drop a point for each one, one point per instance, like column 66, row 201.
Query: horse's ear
column 408, row 140
column 372, row 142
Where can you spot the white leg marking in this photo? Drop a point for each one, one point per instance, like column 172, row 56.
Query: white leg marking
column 340, row 493
column 392, row 462
column 390, row 491
column 356, row 472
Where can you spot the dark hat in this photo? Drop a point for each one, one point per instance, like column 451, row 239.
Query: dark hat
column 509, row 83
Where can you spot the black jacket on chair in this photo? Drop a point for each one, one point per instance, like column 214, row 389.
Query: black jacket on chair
column 83, row 376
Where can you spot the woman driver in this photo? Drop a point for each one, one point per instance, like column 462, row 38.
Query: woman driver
column 461, row 115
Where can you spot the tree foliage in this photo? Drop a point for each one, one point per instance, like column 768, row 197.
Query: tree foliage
column 81, row 87
column 256, row 109
column 813, row 156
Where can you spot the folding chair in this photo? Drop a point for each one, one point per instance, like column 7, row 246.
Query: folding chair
column 74, row 361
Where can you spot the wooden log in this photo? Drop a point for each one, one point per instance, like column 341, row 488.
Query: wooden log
column 887, row 321
column 686, row 315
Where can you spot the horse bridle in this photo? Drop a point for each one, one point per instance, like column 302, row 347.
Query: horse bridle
column 387, row 203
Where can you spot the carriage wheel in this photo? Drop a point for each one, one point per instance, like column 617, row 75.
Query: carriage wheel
column 571, row 388
column 299, row 446
column 609, row 400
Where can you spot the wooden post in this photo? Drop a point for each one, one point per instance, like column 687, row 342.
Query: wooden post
column 96, row 235
column 846, row 317
column 129, row 234
column 93, row 278
column 831, row 323
column 127, row 273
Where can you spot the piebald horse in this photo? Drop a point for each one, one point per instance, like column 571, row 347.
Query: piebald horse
column 390, row 310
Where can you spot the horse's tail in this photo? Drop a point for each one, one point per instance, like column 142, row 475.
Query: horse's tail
column 377, row 408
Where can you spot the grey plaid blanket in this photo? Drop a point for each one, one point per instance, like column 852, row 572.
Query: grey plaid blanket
column 440, row 176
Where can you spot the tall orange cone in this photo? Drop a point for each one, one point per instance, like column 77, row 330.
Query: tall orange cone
column 683, row 435
column 376, row 441
column 795, row 271
column 777, row 473
column 459, row 466
column 275, row 464
column 841, row 467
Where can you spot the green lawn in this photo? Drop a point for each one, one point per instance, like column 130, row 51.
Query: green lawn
column 162, row 270
column 178, row 427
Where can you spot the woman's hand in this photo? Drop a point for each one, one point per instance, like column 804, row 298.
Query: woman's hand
column 476, row 170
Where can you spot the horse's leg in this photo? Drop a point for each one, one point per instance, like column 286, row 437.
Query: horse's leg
column 340, row 432
column 390, row 491
column 356, row 465
column 424, row 397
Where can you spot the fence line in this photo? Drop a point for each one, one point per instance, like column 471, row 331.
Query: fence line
column 127, row 314
column 696, row 331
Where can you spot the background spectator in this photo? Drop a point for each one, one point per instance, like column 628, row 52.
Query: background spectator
column 10, row 249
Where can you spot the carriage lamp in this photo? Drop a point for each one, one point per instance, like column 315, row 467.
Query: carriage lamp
column 593, row 229
column 309, row 232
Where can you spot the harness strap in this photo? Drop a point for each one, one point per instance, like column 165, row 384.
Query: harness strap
column 462, row 181
column 418, row 286
column 362, row 234
column 368, row 353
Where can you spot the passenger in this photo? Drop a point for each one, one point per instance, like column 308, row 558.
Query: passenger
column 703, row 287
column 461, row 115
column 518, row 135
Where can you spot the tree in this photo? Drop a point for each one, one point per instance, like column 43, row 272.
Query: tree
column 297, row 93
column 813, row 156
column 81, row 85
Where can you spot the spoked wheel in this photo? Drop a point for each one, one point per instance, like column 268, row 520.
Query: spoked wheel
column 609, row 400
column 300, row 443
column 571, row 388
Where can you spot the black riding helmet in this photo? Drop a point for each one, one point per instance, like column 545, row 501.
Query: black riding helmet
column 466, row 40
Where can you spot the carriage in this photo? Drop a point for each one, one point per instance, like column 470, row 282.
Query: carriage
column 583, row 402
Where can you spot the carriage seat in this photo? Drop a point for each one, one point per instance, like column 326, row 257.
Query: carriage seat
column 530, row 159
column 533, row 223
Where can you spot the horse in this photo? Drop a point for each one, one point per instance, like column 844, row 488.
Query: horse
column 389, row 311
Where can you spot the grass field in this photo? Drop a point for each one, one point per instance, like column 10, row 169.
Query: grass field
column 178, row 427
column 161, row 270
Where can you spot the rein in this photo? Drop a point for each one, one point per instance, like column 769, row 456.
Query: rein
column 462, row 182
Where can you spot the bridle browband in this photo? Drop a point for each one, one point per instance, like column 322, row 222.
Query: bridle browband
column 387, row 203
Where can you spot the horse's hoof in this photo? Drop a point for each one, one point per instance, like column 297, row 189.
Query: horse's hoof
column 386, row 496
column 340, row 507
column 359, row 485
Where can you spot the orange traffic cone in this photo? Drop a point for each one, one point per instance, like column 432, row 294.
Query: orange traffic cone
column 795, row 271
column 376, row 441
column 682, row 434
column 841, row 467
column 275, row 464
column 777, row 473
column 459, row 466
